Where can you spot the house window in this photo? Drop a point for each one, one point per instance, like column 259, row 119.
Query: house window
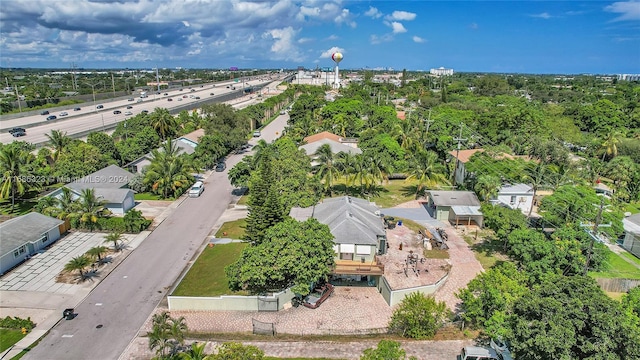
column 346, row 256
column 45, row 238
column 21, row 250
column 513, row 200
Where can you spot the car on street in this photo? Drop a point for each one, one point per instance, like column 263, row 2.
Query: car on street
column 184, row 96
column 129, row 107
column 282, row 112
column 179, row 99
column 116, row 112
column 51, row 117
column 45, row 112
column 478, row 353
column 128, row 113
column 197, row 97
column 77, row 109
column 130, row 99
column 64, row 113
column 318, row 296
column 165, row 94
column 221, row 166
column 100, row 107
column 211, row 94
column 169, row 99
column 140, row 100
column 197, row 189
column 257, row 133
column 144, row 111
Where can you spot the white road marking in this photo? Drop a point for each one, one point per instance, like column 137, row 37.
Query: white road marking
column 67, row 336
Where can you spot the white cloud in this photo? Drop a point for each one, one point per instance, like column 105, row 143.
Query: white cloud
column 473, row 26
column 397, row 27
column 345, row 18
column 304, row 40
column 629, row 10
column 327, row 54
column 185, row 23
column 375, row 39
column 332, row 37
column 544, row 15
column 418, row 39
column 373, row 13
column 283, row 47
column 401, row 16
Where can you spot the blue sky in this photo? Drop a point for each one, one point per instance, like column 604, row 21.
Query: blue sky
column 565, row 37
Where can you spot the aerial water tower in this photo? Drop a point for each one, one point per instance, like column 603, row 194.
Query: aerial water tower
column 337, row 57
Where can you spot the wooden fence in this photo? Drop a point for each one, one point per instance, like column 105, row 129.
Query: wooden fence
column 617, row 285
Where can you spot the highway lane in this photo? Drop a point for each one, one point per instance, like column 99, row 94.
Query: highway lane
column 90, row 118
column 112, row 314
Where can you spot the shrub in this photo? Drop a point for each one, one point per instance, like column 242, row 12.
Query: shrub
column 134, row 222
column 112, row 224
column 17, row 323
column 418, row 316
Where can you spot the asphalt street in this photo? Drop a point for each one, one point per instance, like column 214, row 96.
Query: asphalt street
column 111, row 315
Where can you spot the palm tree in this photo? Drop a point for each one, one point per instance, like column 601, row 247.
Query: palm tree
column 196, row 352
column 177, row 330
column 326, row 168
column 90, row 208
column 79, row 263
column 536, row 176
column 59, row 142
column 168, row 172
column 610, row 144
column 47, row 205
column 67, row 205
column 162, row 122
column 361, row 173
column 427, row 170
column 113, row 238
column 344, row 163
column 13, row 163
column 97, row 252
column 159, row 336
column 487, row 187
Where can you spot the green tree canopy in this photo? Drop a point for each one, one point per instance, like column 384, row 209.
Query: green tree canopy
column 418, row 316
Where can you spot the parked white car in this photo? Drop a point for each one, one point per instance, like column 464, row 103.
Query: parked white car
column 197, row 189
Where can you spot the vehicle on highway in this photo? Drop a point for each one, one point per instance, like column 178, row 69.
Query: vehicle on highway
column 139, row 100
column 77, row 109
column 116, row 112
column 221, row 166
column 169, row 99
column 257, row 133
column 196, row 189
column 184, row 96
column 64, row 113
column 179, row 99
column 197, row 97
column 44, row 113
column 128, row 113
column 165, row 94
column 51, row 117
column 144, row 112
column 100, row 107
column 318, row 296
column 211, row 94
column 129, row 107
column 18, row 133
column 16, row 129
column 193, row 90
column 130, row 99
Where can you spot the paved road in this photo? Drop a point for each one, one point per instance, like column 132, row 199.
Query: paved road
column 90, row 118
column 109, row 318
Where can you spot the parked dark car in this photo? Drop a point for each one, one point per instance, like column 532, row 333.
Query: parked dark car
column 318, row 296
column 77, row 109
column 45, row 112
column 221, row 166
column 51, row 117
column 129, row 107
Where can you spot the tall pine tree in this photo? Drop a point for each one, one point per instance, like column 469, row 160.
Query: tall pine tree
column 265, row 208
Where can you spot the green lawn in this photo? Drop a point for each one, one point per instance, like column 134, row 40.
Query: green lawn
column 243, row 200
column 147, row 196
column 9, row 337
column 233, row 229
column 487, row 250
column 20, row 207
column 618, row 268
column 206, row 276
column 633, row 208
column 631, row 257
column 395, row 193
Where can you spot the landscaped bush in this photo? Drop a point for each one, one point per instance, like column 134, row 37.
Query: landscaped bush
column 132, row 222
column 17, row 323
column 112, row 224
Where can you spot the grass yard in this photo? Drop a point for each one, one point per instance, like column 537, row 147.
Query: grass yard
column 9, row 337
column 633, row 208
column 395, row 193
column 21, row 207
column 146, row 196
column 618, row 268
column 233, row 229
column 487, row 251
column 631, row 257
column 206, row 276
column 243, row 200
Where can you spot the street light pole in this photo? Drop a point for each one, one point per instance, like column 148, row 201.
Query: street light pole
column 18, row 96
column 93, row 90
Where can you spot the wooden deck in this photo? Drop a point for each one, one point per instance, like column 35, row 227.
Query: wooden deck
column 347, row 267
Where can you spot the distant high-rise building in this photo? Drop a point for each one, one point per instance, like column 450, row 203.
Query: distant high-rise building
column 441, row 71
column 629, row 77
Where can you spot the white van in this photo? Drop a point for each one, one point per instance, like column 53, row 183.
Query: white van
column 196, row 189
column 478, row 353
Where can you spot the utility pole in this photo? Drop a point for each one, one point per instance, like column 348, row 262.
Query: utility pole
column 18, row 96
column 428, row 121
column 459, row 139
column 594, row 234
column 113, row 85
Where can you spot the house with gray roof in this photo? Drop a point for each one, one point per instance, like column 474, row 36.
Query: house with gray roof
column 186, row 145
column 455, row 207
column 26, row 235
column 358, row 231
column 109, row 184
column 631, row 240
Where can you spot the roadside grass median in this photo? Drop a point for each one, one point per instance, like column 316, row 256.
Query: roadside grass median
column 9, row 337
column 206, row 277
column 232, row 229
